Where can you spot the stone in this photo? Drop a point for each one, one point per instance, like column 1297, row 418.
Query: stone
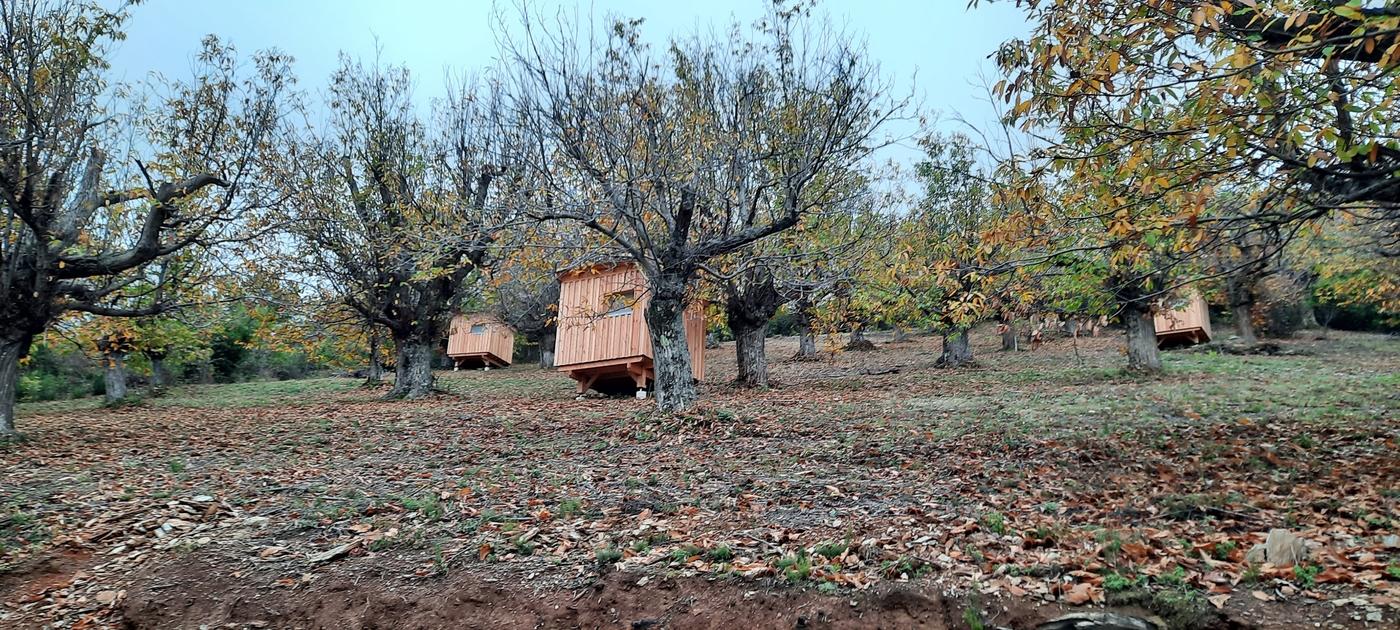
column 105, row 597
column 1282, row 549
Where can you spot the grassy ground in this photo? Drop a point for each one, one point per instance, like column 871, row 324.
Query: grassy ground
column 221, row 396
column 1048, row 474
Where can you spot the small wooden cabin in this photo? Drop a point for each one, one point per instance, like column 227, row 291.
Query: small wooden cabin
column 1187, row 325
column 480, row 340
column 602, row 340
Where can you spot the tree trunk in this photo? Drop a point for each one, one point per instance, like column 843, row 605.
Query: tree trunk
column 547, row 349
column 1308, row 314
column 806, row 344
column 1010, row 342
column 160, row 378
column 1142, row 339
column 413, row 371
column 753, row 362
column 858, row 336
column 957, row 349
column 675, row 385
column 1244, row 322
column 114, row 377
column 11, row 350
column 374, row 375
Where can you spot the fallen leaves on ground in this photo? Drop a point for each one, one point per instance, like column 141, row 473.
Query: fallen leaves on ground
column 1028, row 476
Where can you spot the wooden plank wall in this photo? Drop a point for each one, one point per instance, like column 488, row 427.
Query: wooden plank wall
column 1195, row 315
column 498, row 341
column 695, row 338
column 587, row 335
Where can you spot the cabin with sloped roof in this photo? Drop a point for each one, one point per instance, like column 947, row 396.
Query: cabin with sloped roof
column 1188, row 325
column 480, row 340
column 602, row 340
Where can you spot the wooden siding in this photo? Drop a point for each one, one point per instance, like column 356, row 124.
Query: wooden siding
column 494, row 346
column 1189, row 324
column 592, row 343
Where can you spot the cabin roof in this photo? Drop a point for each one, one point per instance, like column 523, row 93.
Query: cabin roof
column 484, row 317
column 613, row 266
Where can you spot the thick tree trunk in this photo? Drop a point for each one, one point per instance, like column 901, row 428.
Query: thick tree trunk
column 1142, row 339
column 114, row 377
column 749, row 347
column 1010, row 342
column 957, row 350
column 751, row 301
column 1244, row 322
column 160, row 378
column 547, row 349
column 11, row 350
column 413, row 371
column 374, row 375
column 1240, row 289
column 675, row 385
column 806, row 344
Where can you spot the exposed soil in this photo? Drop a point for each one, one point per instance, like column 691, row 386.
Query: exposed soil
column 36, row 576
column 201, row 591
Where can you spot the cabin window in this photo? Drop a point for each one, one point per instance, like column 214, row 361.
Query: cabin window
column 620, row 303
column 478, row 329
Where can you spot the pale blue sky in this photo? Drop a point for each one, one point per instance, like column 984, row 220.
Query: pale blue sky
column 937, row 48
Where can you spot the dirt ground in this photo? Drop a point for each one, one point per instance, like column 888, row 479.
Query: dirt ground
column 868, row 489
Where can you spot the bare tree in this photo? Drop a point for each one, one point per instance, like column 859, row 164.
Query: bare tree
column 682, row 158
column 83, row 217
column 395, row 213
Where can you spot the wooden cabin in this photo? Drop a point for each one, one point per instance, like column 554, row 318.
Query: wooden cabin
column 480, row 340
column 1187, row 325
column 603, row 342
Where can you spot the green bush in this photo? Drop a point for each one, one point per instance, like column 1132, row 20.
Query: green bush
column 53, row 375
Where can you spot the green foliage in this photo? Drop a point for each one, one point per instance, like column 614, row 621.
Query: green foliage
column 607, row 557
column 796, row 567
column 1117, row 582
column 57, row 371
column 720, row 553
column 995, row 522
column 1174, row 577
column 1223, row 549
column 973, row 619
column 1306, row 574
column 832, row 550
column 428, row 506
column 686, row 552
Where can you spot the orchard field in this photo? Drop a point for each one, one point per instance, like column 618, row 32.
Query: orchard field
column 864, row 489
